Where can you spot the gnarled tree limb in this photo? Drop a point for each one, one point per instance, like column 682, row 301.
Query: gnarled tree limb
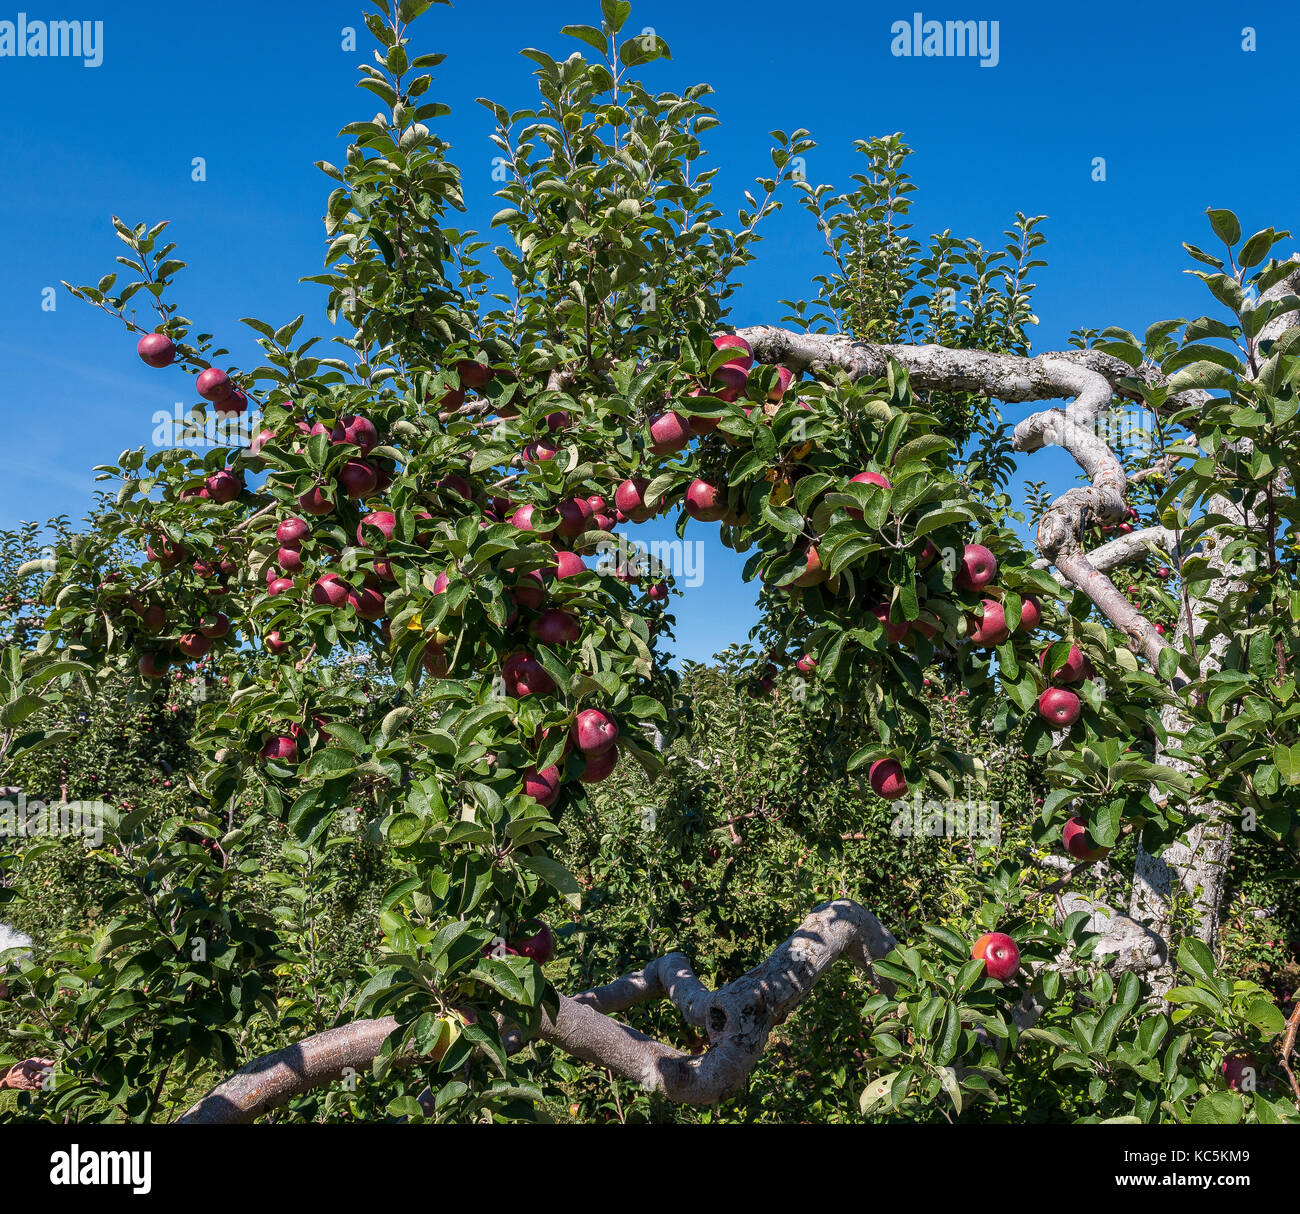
column 738, row 1019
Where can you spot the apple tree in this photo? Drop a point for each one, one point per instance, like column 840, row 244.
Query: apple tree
column 442, row 488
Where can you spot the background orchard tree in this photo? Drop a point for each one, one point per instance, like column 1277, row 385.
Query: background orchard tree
column 440, row 490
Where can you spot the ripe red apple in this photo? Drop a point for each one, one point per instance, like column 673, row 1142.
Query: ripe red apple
column 279, row 585
column 380, row 522
column 358, row 478
column 978, row 567
column 473, row 375
column 894, row 632
column 556, row 628
column 866, row 478
column 276, row 643
column 154, row 665
column 1079, row 843
column 214, row 384
column 531, row 592
column 669, row 432
column 727, row 383
column 194, row 644
column 154, row 618
column 543, row 786
column 999, row 953
column 156, row 350
column 1240, row 1068
column 729, row 341
column 705, row 502
column 887, row 780
column 568, row 564
column 215, row 625
column 315, row 502
column 599, row 766
column 575, row 517
column 330, row 591
column 813, row 573
column 281, row 749
column 539, row 947
column 806, row 664
column 1030, row 615
column 292, row 532
column 784, row 377
column 1074, row 669
column 357, row 430
column 524, row 675
column 224, row 486
column 539, row 451
column 629, row 497
column 594, row 731
column 522, row 520
column 1160, row 628
column 368, row 602
column 290, row 560
column 988, row 624
column 1059, row 707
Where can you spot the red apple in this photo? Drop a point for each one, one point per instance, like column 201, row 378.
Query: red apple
column 524, row 675
column 988, row 624
column 894, row 632
column 281, row 749
column 357, row 430
column 315, row 502
column 215, row 625
column 887, row 780
column 1030, row 615
column 154, row 665
column 575, row 517
column 866, row 478
column 599, row 766
column 1079, row 843
column 540, row 451
column 784, row 377
column 290, row 560
column 1239, row 1070
column 543, row 786
column 358, row 478
column 594, row 731
column 1059, row 707
column 383, row 522
column 669, row 432
column 727, row 383
column 813, row 573
column 705, row 502
column 330, row 591
column 279, row 585
column 729, row 341
column 1074, row 670
column 194, row 644
column 556, row 628
column 276, row 643
column 292, row 532
column 435, row 659
column 539, row 947
column 156, row 350
column 214, row 384
column 568, row 564
column 999, row 953
column 473, row 375
column 806, row 664
column 629, row 497
column 978, row 567
column 224, row 486
column 368, row 602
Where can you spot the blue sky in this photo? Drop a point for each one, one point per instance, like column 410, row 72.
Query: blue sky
column 1164, row 91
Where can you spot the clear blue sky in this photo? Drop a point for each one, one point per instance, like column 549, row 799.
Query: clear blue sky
column 1163, row 91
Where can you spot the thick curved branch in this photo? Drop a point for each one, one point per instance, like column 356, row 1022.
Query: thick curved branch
column 738, row 1019
column 1089, row 379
